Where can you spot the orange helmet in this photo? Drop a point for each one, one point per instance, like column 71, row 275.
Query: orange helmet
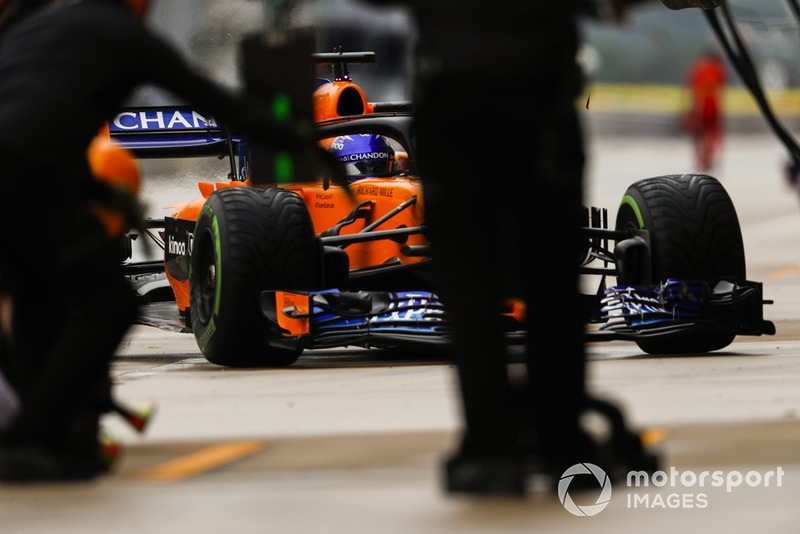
column 115, row 167
column 139, row 7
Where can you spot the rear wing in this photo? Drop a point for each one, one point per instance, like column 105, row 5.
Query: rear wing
column 339, row 60
column 171, row 132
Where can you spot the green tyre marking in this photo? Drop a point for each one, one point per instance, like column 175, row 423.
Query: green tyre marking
column 206, row 337
column 218, row 250
column 203, row 341
column 629, row 201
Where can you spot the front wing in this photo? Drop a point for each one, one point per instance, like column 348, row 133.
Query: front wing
column 637, row 313
column 328, row 319
column 384, row 319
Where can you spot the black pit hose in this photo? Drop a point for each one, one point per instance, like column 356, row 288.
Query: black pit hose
column 743, row 63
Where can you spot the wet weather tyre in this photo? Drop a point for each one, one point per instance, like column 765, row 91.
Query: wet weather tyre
column 248, row 239
column 694, row 234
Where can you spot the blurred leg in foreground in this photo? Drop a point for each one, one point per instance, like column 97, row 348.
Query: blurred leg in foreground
column 501, row 157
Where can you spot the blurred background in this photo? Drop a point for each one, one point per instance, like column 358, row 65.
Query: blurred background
column 209, row 31
column 636, row 68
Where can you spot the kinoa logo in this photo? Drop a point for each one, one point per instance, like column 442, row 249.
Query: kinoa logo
column 176, row 247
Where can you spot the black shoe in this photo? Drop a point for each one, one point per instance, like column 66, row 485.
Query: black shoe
column 35, row 463
column 618, row 454
column 486, row 476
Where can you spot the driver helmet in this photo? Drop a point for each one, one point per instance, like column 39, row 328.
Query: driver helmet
column 363, row 155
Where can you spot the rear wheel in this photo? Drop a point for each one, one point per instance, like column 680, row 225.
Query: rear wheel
column 248, row 239
column 694, row 234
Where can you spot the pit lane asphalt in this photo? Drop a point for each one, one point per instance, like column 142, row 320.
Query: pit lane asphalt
column 351, row 441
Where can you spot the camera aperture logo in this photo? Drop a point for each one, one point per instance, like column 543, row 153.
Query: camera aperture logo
column 582, row 470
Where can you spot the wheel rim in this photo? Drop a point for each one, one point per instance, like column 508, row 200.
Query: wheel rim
column 204, row 288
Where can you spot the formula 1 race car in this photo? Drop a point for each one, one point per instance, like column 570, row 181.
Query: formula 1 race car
column 260, row 273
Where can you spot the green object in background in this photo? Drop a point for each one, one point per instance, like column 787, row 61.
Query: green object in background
column 282, row 107
column 279, row 73
column 284, row 167
column 283, row 162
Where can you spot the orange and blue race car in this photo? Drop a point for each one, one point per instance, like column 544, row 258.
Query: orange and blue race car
column 261, row 273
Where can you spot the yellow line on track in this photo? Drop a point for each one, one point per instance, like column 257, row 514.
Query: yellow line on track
column 675, row 99
column 783, row 273
column 201, row 461
column 653, row 436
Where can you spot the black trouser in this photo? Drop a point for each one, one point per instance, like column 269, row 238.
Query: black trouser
column 71, row 306
column 502, row 163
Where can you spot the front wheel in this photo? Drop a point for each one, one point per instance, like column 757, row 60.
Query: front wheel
column 248, row 239
column 694, row 235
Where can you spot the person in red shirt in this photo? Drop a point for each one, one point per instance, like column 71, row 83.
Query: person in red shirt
column 706, row 81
